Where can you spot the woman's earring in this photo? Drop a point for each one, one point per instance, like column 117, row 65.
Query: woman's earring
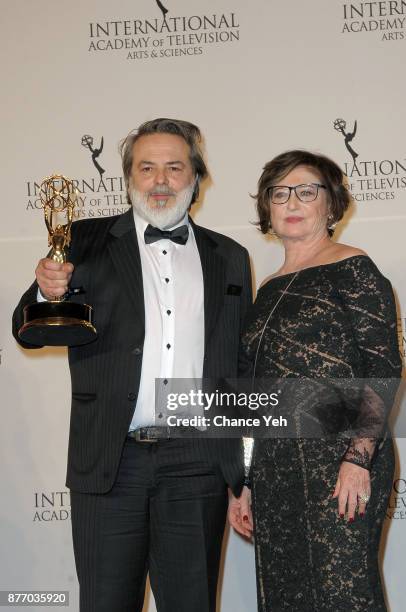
column 330, row 222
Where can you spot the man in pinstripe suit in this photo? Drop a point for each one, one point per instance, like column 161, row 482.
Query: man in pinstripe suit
column 169, row 299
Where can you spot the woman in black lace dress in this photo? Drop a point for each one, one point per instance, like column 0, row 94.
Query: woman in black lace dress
column 327, row 313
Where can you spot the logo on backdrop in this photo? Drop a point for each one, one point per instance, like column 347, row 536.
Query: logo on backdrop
column 87, row 141
column 385, row 19
column 51, row 506
column 397, row 503
column 99, row 195
column 157, row 38
column 369, row 180
column 161, row 6
column 340, row 125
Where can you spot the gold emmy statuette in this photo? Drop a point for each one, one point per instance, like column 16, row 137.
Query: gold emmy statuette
column 58, row 322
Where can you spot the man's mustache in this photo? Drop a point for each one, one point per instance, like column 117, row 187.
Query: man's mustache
column 162, row 189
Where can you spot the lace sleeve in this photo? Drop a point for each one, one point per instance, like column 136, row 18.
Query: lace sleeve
column 368, row 299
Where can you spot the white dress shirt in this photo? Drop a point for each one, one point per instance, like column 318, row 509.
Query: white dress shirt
column 174, row 317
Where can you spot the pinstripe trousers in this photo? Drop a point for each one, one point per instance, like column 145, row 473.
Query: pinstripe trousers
column 165, row 515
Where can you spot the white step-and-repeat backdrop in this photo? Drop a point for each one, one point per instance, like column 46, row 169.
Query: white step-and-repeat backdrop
column 258, row 78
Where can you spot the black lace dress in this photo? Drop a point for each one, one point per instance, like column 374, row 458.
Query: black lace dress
column 336, row 321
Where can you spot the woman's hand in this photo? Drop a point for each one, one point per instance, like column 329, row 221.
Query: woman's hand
column 353, row 488
column 239, row 513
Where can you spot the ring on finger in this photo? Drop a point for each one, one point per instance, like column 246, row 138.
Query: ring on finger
column 364, row 497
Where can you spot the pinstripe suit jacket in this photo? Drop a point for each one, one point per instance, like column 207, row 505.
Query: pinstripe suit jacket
column 105, row 374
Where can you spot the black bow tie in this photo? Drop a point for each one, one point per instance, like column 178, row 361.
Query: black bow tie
column 178, row 235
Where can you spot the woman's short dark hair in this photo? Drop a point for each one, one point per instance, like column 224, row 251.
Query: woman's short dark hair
column 189, row 132
column 330, row 173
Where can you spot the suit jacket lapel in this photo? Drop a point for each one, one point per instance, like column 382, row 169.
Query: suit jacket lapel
column 213, row 267
column 124, row 251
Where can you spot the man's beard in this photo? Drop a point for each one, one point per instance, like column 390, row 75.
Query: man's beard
column 159, row 214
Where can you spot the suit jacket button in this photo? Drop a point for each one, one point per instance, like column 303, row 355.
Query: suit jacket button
column 137, row 350
column 131, row 397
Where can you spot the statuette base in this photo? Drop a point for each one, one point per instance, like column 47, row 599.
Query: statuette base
column 58, row 324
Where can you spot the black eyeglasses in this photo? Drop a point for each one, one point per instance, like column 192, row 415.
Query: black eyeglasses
column 280, row 194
